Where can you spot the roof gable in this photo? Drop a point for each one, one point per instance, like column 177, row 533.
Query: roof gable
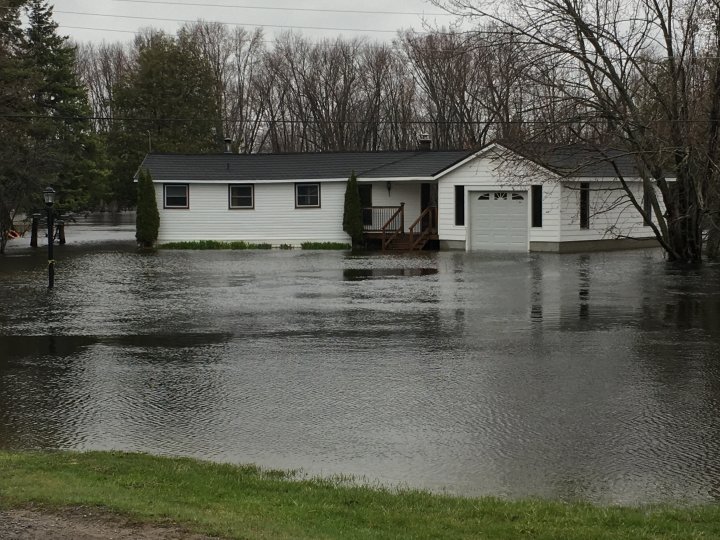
column 580, row 161
column 559, row 161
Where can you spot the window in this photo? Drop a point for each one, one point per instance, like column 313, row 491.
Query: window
column 647, row 205
column 241, row 196
column 500, row 196
column 517, row 197
column 584, row 205
column 537, row 208
column 459, row 205
column 176, row 196
column 307, row 195
column 484, row 197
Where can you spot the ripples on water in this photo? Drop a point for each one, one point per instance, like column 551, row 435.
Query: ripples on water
column 578, row 376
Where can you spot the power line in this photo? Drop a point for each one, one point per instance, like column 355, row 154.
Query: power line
column 163, row 19
column 395, row 48
column 98, row 29
column 312, row 10
column 276, row 42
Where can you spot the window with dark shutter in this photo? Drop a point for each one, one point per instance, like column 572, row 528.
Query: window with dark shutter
column 584, row 205
column 647, row 206
column 459, row 205
column 537, row 206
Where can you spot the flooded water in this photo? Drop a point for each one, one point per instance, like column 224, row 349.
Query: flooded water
column 593, row 377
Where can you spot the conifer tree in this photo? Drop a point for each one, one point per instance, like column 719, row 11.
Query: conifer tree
column 169, row 99
column 45, row 135
column 352, row 216
column 68, row 155
column 17, row 180
column 147, row 221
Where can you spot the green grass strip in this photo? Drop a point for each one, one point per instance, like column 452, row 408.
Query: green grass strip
column 325, row 245
column 247, row 502
column 213, row 244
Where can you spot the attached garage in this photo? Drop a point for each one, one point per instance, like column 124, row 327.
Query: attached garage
column 498, row 220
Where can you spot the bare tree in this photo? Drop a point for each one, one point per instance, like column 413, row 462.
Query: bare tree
column 633, row 69
column 244, row 104
column 100, row 67
column 212, row 41
column 280, row 83
column 234, row 56
column 472, row 86
column 318, row 95
column 443, row 68
column 400, row 107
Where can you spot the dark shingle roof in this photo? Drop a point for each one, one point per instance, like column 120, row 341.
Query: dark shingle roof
column 576, row 160
column 301, row 166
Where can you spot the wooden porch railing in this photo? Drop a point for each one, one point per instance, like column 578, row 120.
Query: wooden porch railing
column 423, row 227
column 376, row 219
column 393, row 227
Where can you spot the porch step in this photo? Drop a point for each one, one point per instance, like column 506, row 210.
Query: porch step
column 402, row 243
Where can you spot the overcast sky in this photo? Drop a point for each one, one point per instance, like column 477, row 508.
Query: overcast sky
column 118, row 20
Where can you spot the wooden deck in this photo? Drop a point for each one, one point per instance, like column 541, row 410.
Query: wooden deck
column 385, row 226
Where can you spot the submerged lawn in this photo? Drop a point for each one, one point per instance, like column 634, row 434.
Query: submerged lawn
column 214, row 244
column 246, row 502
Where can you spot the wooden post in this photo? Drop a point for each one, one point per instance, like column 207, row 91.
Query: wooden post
column 34, row 230
column 61, row 231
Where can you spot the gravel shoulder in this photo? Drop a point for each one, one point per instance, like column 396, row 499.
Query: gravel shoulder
column 82, row 523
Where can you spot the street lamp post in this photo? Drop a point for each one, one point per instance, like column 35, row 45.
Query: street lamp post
column 49, row 195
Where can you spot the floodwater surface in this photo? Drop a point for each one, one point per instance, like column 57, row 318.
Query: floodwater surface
column 592, row 377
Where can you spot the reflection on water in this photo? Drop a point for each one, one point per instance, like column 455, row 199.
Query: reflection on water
column 577, row 376
column 359, row 274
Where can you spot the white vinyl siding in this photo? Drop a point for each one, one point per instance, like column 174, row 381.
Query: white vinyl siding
column 611, row 214
column 274, row 220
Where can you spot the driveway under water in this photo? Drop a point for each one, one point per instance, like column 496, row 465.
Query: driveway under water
column 593, row 377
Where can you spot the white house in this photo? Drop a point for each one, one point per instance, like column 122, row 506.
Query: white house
column 492, row 199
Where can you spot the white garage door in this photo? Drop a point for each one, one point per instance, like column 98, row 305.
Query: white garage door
column 498, row 220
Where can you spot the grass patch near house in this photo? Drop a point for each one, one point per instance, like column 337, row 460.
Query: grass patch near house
column 248, row 502
column 213, row 244
column 325, row 245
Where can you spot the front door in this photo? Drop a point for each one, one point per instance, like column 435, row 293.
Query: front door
column 428, row 198
column 366, row 202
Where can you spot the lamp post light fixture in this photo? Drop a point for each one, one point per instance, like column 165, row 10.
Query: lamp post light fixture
column 49, row 196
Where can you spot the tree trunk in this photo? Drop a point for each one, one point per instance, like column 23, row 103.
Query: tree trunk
column 713, row 242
